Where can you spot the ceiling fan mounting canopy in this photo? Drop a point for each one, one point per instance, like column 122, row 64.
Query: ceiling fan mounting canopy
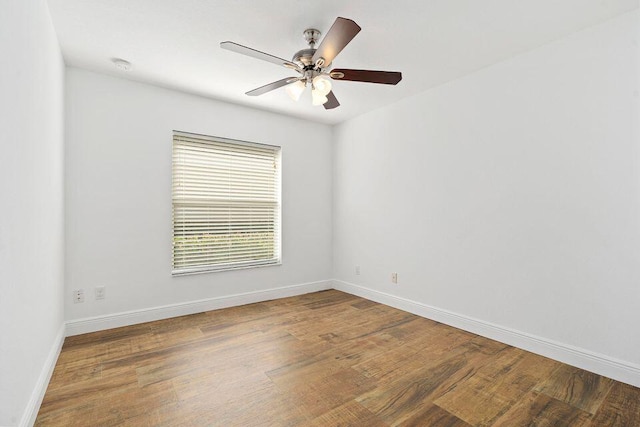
column 304, row 57
column 311, row 35
column 312, row 64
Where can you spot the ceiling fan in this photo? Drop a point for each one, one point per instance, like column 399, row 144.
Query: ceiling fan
column 313, row 65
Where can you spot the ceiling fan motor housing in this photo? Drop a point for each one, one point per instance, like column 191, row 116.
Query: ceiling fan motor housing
column 304, row 57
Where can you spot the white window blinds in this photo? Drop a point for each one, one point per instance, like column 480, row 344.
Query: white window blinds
column 226, row 204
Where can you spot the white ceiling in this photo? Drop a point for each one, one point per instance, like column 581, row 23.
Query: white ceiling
column 175, row 43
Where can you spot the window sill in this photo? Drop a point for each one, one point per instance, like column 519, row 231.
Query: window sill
column 203, row 270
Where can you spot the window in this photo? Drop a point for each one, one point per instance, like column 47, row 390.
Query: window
column 226, row 204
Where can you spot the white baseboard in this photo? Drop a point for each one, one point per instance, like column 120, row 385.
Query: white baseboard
column 598, row 363
column 99, row 323
column 33, row 406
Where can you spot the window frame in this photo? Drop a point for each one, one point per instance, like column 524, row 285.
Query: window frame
column 276, row 260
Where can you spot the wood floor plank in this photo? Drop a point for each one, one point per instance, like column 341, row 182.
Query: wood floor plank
column 348, row 414
column 577, row 387
column 540, row 410
column 363, row 304
column 433, row 415
column 620, row 408
column 322, row 387
column 478, row 400
column 321, row 359
column 415, row 391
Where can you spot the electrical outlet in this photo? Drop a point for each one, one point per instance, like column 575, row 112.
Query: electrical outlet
column 357, row 270
column 394, row 278
column 100, row 292
column 78, row 296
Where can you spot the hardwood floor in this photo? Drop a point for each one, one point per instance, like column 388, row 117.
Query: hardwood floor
column 322, row 359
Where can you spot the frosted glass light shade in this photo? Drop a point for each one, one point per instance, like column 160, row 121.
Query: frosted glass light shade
column 318, row 98
column 322, row 85
column 294, row 90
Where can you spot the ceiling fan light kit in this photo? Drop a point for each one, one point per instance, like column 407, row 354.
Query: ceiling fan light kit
column 294, row 90
column 313, row 65
column 321, row 84
column 317, row 98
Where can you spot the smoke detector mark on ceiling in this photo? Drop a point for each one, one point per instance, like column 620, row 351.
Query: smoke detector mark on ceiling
column 121, row 64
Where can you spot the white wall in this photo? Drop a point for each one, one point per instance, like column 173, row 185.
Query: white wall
column 31, row 217
column 511, row 195
column 118, row 194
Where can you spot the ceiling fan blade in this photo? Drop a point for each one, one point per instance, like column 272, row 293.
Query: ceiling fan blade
column 332, row 102
column 339, row 35
column 368, row 76
column 271, row 86
column 238, row 48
